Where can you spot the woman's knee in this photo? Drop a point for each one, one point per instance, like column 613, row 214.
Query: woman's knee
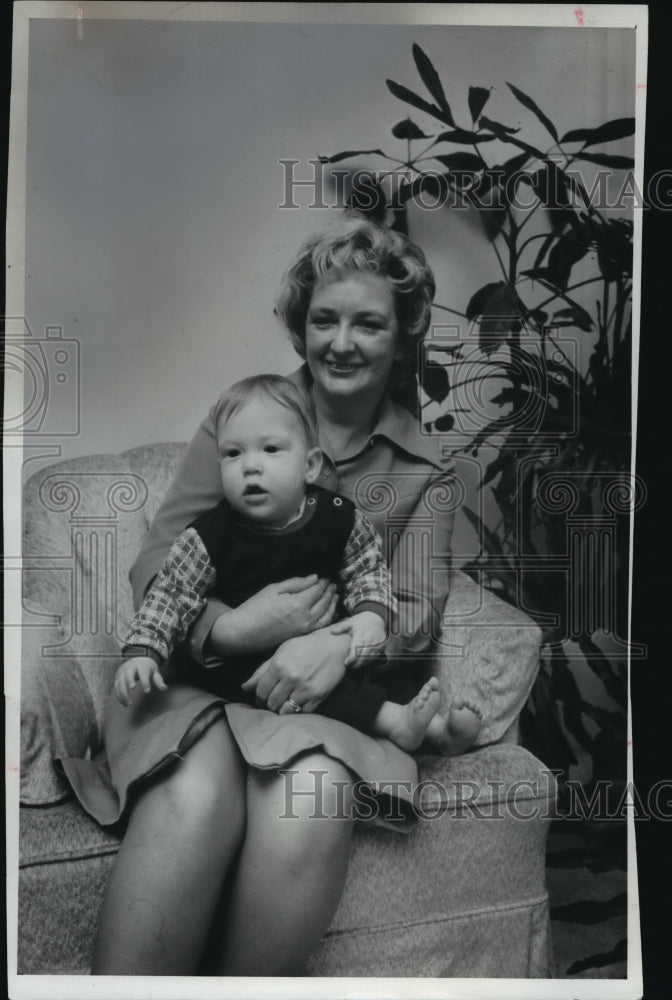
column 207, row 783
column 317, row 788
column 303, row 814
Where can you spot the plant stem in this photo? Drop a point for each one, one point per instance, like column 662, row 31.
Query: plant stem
column 561, row 294
column 498, row 255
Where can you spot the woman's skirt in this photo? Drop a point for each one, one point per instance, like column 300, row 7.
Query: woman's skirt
column 155, row 732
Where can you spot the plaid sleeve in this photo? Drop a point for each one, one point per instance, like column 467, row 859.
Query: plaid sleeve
column 176, row 598
column 365, row 577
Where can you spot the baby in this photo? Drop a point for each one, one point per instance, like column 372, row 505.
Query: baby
column 273, row 524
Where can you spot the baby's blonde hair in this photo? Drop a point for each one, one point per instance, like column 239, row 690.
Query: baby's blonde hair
column 277, row 388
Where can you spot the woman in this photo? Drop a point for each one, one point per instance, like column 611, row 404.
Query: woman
column 205, row 854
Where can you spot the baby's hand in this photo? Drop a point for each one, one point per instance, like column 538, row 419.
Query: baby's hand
column 138, row 668
column 366, row 629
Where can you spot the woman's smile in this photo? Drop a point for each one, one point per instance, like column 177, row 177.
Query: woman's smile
column 352, row 334
column 341, row 368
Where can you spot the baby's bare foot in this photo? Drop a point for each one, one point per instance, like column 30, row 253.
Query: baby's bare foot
column 454, row 735
column 406, row 725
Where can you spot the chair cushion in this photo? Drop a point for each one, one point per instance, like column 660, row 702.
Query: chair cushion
column 462, row 894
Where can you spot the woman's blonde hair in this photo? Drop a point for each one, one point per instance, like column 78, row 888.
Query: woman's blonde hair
column 356, row 244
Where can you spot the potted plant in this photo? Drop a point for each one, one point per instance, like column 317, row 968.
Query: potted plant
column 556, row 450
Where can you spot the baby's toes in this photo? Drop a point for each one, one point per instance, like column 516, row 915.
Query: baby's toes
column 430, row 687
column 426, row 691
column 458, row 706
column 422, row 695
column 473, row 708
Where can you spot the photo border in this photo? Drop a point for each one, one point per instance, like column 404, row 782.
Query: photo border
column 36, row 987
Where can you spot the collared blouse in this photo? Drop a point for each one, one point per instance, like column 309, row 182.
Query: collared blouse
column 400, row 479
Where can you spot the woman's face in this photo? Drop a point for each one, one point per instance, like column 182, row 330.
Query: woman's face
column 352, row 335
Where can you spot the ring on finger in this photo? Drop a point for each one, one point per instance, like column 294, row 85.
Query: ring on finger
column 293, row 705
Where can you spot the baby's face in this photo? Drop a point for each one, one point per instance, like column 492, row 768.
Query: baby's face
column 265, row 462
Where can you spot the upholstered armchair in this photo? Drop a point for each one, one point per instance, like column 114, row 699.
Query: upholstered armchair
column 462, row 895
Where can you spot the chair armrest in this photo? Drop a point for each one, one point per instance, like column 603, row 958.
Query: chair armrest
column 57, row 713
column 488, row 655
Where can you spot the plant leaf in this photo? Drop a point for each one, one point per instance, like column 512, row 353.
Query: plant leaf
column 506, row 395
column 462, row 161
column 582, row 318
column 337, row 157
column 434, row 380
column 543, row 250
column 487, row 538
column 538, row 273
column 515, row 164
column 478, row 98
column 577, row 316
column 506, row 134
column 431, row 80
column 542, row 274
column 555, row 183
column 494, row 468
column 565, row 689
column 445, row 422
column 614, row 247
column 539, row 317
column 406, row 95
column 498, row 426
column 618, row 128
column 551, row 185
column 501, row 310
column 582, row 857
column 570, row 181
column 463, row 137
column 567, row 252
column 606, row 159
column 479, row 299
column 535, row 109
column 549, row 738
column 497, row 127
column 611, row 722
column 407, row 129
column 589, row 911
column 437, row 185
column 618, row 954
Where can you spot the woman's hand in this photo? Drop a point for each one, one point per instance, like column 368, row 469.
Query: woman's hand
column 305, row 669
column 279, row 612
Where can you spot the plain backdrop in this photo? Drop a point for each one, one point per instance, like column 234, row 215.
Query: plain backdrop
column 153, row 232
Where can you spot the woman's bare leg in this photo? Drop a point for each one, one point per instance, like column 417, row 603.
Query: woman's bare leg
column 291, row 871
column 184, row 831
